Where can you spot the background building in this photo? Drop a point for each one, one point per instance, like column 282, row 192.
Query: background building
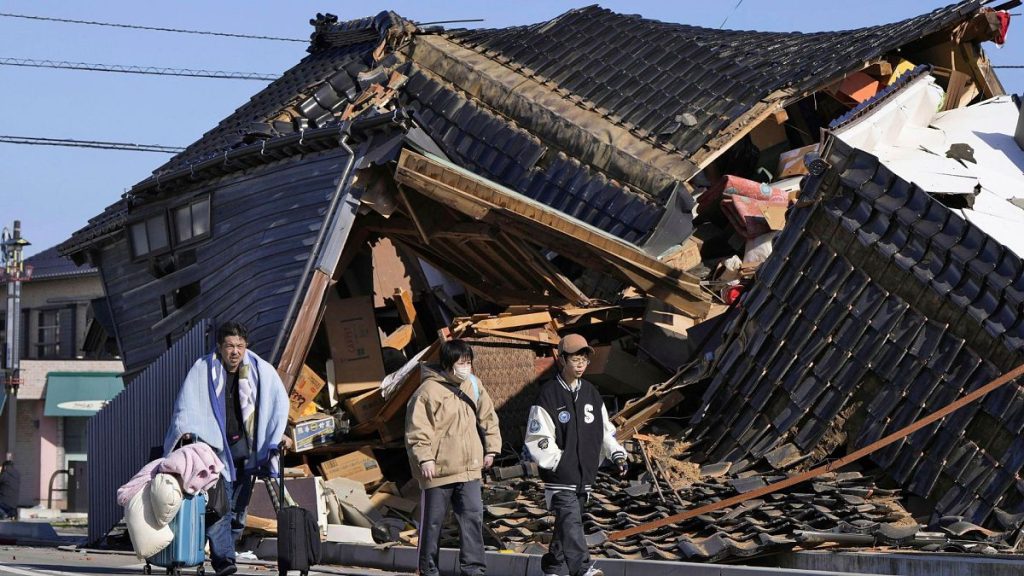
column 69, row 369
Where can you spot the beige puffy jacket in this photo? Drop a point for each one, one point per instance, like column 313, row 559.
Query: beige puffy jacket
column 441, row 426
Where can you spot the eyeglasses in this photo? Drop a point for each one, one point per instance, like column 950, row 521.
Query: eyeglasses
column 578, row 359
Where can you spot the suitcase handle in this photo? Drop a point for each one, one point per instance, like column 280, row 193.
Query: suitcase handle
column 276, row 452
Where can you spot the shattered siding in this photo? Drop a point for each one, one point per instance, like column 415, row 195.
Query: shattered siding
column 247, row 273
column 878, row 306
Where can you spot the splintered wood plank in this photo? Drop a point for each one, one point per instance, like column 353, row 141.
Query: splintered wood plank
column 984, row 75
column 447, row 186
column 630, row 426
column 301, row 337
column 542, row 337
column 412, row 215
column 510, row 322
column 558, row 281
column 403, row 302
column 398, row 339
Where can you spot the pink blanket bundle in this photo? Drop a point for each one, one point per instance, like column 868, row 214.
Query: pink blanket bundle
column 196, row 465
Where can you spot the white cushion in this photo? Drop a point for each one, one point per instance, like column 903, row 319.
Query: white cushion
column 148, row 537
column 165, row 495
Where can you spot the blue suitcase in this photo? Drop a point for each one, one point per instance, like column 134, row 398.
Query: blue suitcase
column 189, row 544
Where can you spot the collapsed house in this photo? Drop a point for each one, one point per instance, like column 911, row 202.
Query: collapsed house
column 401, row 185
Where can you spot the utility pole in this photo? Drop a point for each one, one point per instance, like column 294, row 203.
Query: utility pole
column 14, row 272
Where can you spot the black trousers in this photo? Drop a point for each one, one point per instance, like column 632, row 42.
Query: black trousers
column 467, row 500
column 567, row 553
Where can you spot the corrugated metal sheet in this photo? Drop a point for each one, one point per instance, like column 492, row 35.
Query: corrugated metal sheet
column 121, row 435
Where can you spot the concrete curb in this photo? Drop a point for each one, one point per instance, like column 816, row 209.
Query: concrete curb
column 906, row 562
column 403, row 559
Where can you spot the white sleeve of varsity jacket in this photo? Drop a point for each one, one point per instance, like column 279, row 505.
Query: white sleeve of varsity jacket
column 610, row 447
column 540, row 439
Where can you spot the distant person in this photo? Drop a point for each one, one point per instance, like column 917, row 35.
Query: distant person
column 234, row 401
column 569, row 434
column 451, row 433
column 10, row 488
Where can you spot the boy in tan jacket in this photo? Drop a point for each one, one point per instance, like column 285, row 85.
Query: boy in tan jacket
column 451, row 434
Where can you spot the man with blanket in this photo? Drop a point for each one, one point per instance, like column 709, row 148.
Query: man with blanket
column 234, row 401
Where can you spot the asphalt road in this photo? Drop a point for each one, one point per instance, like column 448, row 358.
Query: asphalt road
column 30, row 561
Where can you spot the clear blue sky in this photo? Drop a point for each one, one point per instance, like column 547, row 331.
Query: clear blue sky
column 54, row 191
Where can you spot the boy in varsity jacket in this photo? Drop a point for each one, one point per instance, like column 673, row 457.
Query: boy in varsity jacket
column 569, row 435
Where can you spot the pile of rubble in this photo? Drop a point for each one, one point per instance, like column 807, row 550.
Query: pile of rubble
column 795, row 361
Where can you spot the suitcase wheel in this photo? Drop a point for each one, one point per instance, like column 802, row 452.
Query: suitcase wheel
column 200, row 570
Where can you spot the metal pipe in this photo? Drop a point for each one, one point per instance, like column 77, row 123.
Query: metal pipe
column 49, row 495
column 13, row 269
column 339, row 191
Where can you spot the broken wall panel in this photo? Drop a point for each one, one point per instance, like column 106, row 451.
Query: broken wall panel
column 865, row 319
column 267, row 242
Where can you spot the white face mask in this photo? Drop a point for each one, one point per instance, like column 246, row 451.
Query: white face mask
column 461, row 372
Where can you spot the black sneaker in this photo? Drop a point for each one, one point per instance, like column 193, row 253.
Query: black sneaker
column 229, row 569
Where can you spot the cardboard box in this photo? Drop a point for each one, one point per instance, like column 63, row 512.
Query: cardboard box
column 683, row 256
column 364, row 407
column 342, row 533
column 311, row 431
column 354, row 340
column 360, row 466
column 382, row 499
column 614, row 370
column 306, row 387
column 791, row 163
column 771, row 132
column 856, row 88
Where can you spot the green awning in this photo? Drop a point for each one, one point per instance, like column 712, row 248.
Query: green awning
column 80, row 393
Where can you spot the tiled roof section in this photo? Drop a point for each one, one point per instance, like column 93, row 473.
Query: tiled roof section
column 49, row 264
column 877, row 307
column 847, row 506
column 644, row 74
column 312, row 92
column 497, row 149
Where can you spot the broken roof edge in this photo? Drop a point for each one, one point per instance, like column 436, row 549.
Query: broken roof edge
column 675, row 287
column 721, row 140
column 557, row 121
column 903, row 129
column 115, row 217
column 848, row 173
column 329, row 32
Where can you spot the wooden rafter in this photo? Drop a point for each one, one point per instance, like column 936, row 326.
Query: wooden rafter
column 480, row 198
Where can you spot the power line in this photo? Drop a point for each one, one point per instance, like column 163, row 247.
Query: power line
column 33, row 141
column 151, row 70
column 734, row 8
column 1010, row 66
column 154, row 28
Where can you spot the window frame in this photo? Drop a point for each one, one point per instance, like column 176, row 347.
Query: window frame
column 39, row 343
column 144, row 220
column 190, row 203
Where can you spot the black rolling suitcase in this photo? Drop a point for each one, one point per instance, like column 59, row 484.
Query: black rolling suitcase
column 298, row 535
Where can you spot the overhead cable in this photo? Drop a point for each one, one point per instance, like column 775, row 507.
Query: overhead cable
column 153, row 28
column 734, row 8
column 151, row 70
column 34, row 141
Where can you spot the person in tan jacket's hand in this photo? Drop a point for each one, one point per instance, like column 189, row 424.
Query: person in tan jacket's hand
column 451, row 434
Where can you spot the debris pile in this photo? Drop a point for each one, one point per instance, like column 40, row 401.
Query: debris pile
column 777, row 266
